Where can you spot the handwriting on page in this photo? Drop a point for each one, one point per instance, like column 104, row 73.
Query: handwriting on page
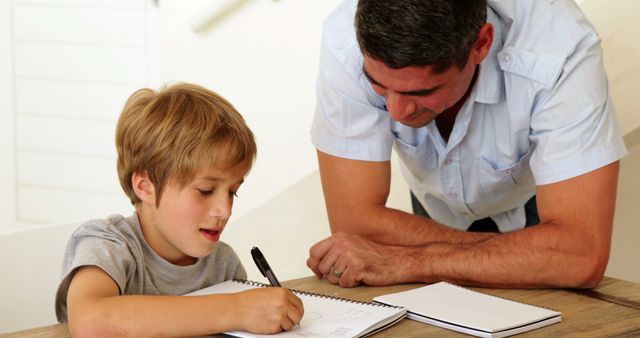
column 323, row 323
column 324, row 316
column 353, row 314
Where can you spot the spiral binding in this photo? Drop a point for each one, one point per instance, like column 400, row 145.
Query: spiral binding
column 318, row 295
column 252, row 283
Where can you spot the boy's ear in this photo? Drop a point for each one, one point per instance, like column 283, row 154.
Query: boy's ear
column 143, row 187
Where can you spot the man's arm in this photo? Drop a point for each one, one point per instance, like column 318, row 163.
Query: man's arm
column 355, row 194
column 95, row 309
column 570, row 248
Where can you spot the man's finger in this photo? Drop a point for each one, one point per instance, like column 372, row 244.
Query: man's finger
column 320, row 249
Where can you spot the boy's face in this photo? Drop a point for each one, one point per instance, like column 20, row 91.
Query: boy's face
column 189, row 219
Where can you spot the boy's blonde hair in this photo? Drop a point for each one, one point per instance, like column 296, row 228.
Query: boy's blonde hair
column 174, row 132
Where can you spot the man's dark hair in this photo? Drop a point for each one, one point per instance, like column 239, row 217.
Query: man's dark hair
column 403, row 33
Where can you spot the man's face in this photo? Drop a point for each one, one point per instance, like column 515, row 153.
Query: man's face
column 415, row 95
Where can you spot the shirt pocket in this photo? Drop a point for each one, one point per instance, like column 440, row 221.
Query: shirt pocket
column 505, row 180
column 420, row 159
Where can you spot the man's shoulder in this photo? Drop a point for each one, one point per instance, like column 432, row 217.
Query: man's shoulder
column 342, row 16
column 552, row 27
column 538, row 9
column 338, row 31
column 539, row 36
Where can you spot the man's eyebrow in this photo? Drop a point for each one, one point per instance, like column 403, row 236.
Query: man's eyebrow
column 371, row 79
column 419, row 92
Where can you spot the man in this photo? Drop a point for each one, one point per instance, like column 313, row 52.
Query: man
column 501, row 116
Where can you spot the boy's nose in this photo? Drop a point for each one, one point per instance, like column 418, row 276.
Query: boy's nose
column 399, row 106
column 221, row 209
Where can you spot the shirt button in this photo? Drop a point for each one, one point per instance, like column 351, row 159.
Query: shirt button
column 448, row 161
column 453, row 195
column 506, row 57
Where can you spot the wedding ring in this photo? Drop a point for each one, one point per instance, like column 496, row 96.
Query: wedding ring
column 335, row 272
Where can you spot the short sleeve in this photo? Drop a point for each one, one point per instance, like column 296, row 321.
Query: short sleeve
column 350, row 120
column 90, row 246
column 574, row 126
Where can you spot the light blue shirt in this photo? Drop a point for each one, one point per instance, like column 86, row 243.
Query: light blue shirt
column 540, row 112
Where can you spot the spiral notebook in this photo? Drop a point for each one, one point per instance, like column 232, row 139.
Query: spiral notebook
column 324, row 316
column 456, row 308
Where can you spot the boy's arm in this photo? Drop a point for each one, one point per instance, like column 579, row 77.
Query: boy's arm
column 95, row 308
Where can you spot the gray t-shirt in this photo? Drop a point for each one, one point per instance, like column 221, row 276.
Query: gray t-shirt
column 116, row 245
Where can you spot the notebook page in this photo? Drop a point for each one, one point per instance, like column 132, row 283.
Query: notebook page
column 323, row 316
column 224, row 287
column 460, row 306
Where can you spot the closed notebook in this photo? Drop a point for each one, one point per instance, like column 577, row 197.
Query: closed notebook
column 467, row 311
column 324, row 316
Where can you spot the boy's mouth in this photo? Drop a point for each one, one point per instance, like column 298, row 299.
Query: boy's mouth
column 212, row 235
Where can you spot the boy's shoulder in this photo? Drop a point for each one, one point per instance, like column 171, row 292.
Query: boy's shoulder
column 105, row 237
column 114, row 227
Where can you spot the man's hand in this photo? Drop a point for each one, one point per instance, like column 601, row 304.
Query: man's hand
column 349, row 260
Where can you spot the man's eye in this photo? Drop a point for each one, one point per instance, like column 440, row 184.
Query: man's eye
column 233, row 194
column 205, row 192
column 378, row 89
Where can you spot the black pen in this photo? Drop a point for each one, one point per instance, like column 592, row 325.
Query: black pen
column 263, row 266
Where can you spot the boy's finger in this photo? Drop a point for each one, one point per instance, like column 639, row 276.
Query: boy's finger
column 286, row 324
column 297, row 303
column 295, row 316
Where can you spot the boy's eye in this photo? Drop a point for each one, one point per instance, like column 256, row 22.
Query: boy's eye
column 205, row 192
column 209, row 192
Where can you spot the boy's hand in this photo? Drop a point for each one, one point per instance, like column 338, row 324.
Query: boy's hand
column 268, row 310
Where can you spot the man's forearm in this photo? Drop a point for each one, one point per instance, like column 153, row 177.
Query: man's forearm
column 396, row 227
column 531, row 258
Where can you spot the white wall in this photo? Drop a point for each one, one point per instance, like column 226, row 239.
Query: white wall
column 71, row 70
column 7, row 161
column 267, row 69
column 263, row 58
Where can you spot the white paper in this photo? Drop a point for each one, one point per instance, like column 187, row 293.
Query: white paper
column 456, row 308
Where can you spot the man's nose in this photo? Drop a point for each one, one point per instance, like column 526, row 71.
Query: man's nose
column 399, row 106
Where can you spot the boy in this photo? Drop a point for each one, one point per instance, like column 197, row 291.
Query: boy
column 183, row 153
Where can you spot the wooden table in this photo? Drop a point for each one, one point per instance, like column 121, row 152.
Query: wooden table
column 581, row 316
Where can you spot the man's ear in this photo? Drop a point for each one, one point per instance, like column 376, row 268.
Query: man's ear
column 483, row 44
column 143, row 187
